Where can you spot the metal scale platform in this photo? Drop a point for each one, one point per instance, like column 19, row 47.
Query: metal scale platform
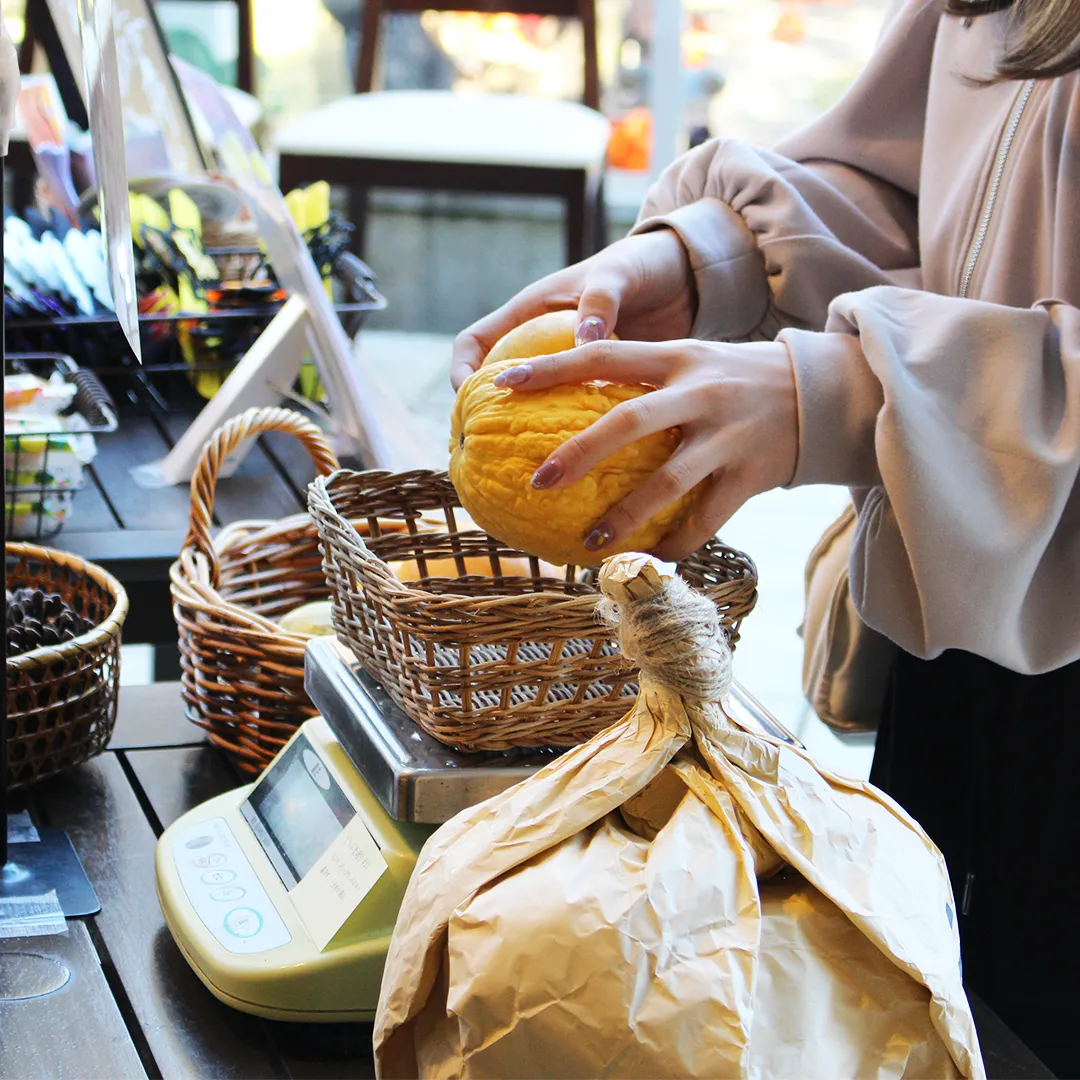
column 415, row 777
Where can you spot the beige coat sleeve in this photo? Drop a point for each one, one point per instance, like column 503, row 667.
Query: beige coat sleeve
column 960, row 423
column 837, row 198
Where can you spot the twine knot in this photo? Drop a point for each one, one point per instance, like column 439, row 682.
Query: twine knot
column 671, row 632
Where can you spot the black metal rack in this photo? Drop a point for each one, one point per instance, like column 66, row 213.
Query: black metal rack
column 185, row 355
column 97, row 342
column 36, row 501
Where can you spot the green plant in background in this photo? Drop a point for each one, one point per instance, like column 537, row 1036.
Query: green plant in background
column 193, row 48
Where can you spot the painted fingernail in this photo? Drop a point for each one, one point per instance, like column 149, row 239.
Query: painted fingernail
column 590, row 329
column 549, row 473
column 600, row 536
column 514, row 376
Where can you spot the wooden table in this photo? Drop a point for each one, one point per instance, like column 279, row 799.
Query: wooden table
column 133, row 1007
column 136, row 533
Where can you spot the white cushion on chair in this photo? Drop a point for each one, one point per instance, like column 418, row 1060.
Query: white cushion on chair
column 441, row 126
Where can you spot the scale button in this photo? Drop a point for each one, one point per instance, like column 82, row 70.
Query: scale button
column 213, row 859
column 317, row 769
column 217, row 877
column 243, row 922
column 228, row 892
column 199, row 841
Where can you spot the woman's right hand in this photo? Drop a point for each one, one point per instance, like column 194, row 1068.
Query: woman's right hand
column 640, row 287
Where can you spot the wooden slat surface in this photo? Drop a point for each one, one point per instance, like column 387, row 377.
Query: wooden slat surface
column 325, row 1051
column 188, row 1032
column 1004, row 1055
column 153, row 716
column 139, row 442
column 134, row 555
column 89, row 511
column 255, row 490
column 140, row 534
column 76, row 1032
column 174, row 781
column 289, row 454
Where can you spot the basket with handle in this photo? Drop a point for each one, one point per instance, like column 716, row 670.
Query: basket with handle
column 242, row 675
column 483, row 646
column 61, row 699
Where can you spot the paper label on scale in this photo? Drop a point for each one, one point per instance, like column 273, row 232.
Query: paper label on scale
column 345, row 873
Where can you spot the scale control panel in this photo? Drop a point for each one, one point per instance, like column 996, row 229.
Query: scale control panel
column 225, row 891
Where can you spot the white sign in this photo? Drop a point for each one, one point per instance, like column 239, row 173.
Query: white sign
column 330, row 891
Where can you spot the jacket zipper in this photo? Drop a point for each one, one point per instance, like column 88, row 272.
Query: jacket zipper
column 995, row 183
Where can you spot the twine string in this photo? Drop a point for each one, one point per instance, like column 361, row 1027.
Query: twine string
column 675, row 637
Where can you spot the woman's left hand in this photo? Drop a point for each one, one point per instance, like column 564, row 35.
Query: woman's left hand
column 734, row 404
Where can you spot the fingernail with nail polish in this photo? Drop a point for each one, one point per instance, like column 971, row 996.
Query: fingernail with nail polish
column 590, row 329
column 599, row 537
column 514, row 376
column 548, row 473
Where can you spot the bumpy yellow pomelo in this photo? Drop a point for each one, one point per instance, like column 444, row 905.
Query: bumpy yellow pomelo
column 552, row 332
column 499, row 438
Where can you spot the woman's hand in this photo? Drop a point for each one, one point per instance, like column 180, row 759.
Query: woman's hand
column 735, row 405
column 641, row 288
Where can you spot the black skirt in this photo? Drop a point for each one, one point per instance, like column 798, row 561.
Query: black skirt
column 988, row 762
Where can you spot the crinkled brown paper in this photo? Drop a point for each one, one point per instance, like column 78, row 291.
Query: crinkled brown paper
column 677, row 897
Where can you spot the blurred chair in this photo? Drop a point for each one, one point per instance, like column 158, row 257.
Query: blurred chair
column 439, row 140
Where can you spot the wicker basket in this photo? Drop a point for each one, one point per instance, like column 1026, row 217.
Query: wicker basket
column 61, row 700
column 509, row 656
column 242, row 675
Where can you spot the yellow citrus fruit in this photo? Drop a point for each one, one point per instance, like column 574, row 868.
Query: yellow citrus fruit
column 499, row 437
column 474, row 564
column 551, row 332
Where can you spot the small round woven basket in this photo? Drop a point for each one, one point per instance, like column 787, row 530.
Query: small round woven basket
column 242, row 675
column 487, row 648
column 61, row 700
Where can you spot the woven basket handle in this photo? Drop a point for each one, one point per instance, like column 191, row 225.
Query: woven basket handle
column 221, row 444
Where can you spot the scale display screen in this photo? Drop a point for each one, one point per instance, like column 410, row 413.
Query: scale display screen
column 296, row 811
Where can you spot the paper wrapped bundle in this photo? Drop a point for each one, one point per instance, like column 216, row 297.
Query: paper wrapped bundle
column 677, row 897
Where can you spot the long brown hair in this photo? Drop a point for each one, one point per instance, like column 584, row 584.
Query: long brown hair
column 1044, row 35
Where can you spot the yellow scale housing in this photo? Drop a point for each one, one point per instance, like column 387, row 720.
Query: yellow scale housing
column 236, row 923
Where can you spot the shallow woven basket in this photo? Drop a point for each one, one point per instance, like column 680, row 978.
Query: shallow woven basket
column 61, row 699
column 242, row 675
column 509, row 656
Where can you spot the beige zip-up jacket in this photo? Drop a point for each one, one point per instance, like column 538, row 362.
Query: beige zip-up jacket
column 918, row 251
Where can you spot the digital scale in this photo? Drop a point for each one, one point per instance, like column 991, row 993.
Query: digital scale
column 282, row 895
